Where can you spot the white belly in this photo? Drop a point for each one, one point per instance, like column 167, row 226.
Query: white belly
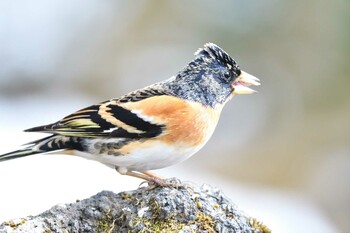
column 155, row 157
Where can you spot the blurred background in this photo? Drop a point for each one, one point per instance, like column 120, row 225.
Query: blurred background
column 282, row 155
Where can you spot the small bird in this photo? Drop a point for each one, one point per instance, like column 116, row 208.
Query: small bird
column 153, row 127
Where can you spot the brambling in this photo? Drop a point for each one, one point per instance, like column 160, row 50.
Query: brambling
column 153, row 127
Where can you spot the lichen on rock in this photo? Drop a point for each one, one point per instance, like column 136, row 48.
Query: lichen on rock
column 185, row 209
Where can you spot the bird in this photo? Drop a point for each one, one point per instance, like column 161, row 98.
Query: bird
column 153, row 127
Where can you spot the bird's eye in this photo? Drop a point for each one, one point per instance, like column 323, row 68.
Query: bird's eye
column 227, row 76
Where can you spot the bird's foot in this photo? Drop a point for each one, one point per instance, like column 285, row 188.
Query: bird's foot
column 169, row 183
column 153, row 180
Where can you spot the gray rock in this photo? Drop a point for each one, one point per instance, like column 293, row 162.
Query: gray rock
column 147, row 209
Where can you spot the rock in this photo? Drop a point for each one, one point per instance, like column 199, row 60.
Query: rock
column 147, row 209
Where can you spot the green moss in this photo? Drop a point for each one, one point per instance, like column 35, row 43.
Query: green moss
column 106, row 223
column 205, row 222
column 199, row 205
column 154, row 207
column 14, row 225
column 258, row 226
column 159, row 226
column 153, row 223
column 126, row 196
column 156, row 224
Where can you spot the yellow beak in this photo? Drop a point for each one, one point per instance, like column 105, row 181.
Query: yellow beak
column 242, row 83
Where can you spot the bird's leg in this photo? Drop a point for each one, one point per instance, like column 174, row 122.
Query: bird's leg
column 152, row 175
column 124, row 171
column 156, row 180
column 159, row 181
column 148, row 177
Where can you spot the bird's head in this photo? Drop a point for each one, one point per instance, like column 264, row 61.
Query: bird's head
column 212, row 78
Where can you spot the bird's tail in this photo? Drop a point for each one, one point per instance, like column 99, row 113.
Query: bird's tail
column 18, row 154
column 48, row 144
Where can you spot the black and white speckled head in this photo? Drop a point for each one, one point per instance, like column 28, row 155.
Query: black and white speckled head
column 207, row 79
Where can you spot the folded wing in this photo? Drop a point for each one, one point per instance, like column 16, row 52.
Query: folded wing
column 107, row 119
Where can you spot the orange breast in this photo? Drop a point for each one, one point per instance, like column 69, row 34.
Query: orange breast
column 187, row 123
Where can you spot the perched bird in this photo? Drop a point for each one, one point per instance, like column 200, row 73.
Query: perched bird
column 153, row 127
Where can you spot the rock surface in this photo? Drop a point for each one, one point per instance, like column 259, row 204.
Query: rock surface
column 160, row 209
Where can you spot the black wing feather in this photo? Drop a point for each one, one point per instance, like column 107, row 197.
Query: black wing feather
column 88, row 122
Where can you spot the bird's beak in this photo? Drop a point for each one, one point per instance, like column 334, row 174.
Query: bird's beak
column 242, row 83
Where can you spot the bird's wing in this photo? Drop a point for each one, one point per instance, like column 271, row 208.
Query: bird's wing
column 109, row 119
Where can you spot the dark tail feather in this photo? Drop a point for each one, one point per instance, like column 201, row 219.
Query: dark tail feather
column 37, row 141
column 19, row 154
column 48, row 144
